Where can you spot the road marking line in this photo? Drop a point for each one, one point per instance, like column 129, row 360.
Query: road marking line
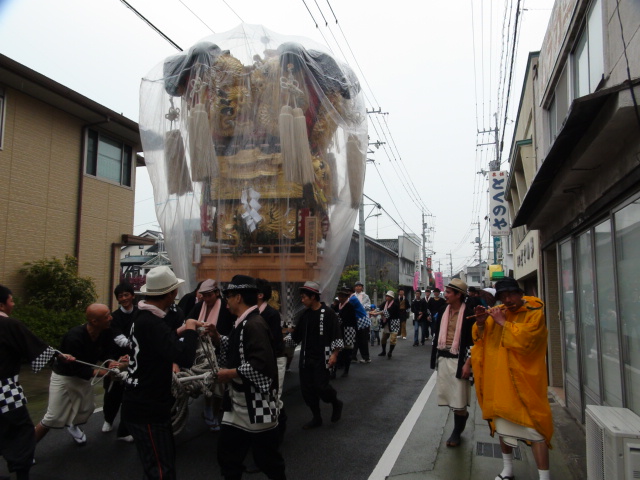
column 390, row 455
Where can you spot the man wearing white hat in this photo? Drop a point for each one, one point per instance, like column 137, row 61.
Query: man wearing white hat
column 390, row 323
column 147, row 401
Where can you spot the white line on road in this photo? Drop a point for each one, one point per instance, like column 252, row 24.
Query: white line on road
column 390, row 455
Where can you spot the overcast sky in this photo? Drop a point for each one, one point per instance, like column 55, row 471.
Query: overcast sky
column 434, row 67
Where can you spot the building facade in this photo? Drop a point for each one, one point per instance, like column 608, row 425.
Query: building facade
column 582, row 196
column 68, row 178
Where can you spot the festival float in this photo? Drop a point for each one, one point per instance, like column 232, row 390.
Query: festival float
column 255, row 143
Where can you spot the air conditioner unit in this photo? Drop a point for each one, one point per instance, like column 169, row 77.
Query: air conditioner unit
column 613, row 443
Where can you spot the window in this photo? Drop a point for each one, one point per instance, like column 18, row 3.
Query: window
column 559, row 106
column 108, row 158
column 2, row 108
column 607, row 314
column 627, row 242
column 588, row 56
column 587, row 312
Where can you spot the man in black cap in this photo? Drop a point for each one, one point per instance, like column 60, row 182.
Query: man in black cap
column 319, row 332
column 250, row 419
column 509, row 364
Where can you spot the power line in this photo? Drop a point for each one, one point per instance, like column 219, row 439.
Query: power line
column 158, row 31
column 389, row 215
column 195, row 15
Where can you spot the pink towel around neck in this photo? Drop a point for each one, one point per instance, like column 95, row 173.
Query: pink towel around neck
column 444, row 327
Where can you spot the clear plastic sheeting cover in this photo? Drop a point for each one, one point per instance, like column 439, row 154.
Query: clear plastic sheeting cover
column 255, row 143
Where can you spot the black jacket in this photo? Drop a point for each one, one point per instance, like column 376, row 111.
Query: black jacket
column 419, row 306
column 155, row 348
column 226, row 319
column 466, row 339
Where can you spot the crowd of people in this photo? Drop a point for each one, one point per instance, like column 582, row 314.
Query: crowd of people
column 138, row 347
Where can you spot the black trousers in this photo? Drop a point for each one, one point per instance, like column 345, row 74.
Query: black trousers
column 234, row 444
column 113, row 392
column 362, row 343
column 315, row 386
column 17, row 440
column 156, row 449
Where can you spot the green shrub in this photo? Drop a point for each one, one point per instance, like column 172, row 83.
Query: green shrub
column 56, row 286
column 47, row 324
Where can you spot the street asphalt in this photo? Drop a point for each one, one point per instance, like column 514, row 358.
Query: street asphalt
column 391, row 427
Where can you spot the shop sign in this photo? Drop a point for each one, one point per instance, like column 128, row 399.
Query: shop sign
column 498, row 204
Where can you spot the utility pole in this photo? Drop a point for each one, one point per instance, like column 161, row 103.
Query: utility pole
column 361, row 242
column 450, row 265
column 494, row 165
column 424, row 251
column 479, row 244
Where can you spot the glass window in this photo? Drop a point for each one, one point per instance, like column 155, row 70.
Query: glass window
column 607, row 315
column 627, row 235
column 2, row 108
column 581, row 68
column 596, row 47
column 553, row 124
column 568, row 309
column 586, row 307
column 588, row 56
column 108, row 158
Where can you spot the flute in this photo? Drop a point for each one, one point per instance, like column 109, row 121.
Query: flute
column 501, row 307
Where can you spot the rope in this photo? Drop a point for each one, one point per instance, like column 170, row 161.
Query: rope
column 193, row 382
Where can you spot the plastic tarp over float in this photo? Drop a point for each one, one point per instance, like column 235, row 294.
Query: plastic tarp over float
column 255, row 143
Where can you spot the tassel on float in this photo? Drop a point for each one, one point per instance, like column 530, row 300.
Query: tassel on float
column 202, row 153
column 301, row 142
column 177, row 175
column 355, row 169
column 285, row 123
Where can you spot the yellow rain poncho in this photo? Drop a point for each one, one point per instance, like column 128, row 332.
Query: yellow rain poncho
column 510, row 370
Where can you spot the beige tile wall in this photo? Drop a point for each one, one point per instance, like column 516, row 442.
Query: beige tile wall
column 39, row 177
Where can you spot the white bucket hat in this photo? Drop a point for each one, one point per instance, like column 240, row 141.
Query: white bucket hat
column 160, row 280
column 390, row 294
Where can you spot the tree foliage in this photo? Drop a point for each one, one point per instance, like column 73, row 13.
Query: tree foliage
column 351, row 274
column 47, row 324
column 54, row 285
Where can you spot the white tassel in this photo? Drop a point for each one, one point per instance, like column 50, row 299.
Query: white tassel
column 177, row 175
column 355, row 168
column 202, row 153
column 333, row 175
column 287, row 149
column 301, row 142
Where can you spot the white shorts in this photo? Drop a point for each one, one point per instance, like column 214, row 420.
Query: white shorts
column 70, row 401
column 512, row 432
column 452, row 392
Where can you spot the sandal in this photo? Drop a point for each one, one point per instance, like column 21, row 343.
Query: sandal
column 508, row 477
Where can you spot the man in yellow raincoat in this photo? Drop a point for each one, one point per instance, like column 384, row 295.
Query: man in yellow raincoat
column 508, row 359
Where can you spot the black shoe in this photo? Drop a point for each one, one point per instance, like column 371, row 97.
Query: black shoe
column 315, row 423
column 415, row 345
column 389, row 355
column 384, row 352
column 337, row 411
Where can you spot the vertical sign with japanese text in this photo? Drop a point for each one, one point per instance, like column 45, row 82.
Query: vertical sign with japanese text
column 311, row 239
column 498, row 204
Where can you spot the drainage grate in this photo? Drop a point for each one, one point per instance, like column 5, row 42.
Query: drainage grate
column 492, row 450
